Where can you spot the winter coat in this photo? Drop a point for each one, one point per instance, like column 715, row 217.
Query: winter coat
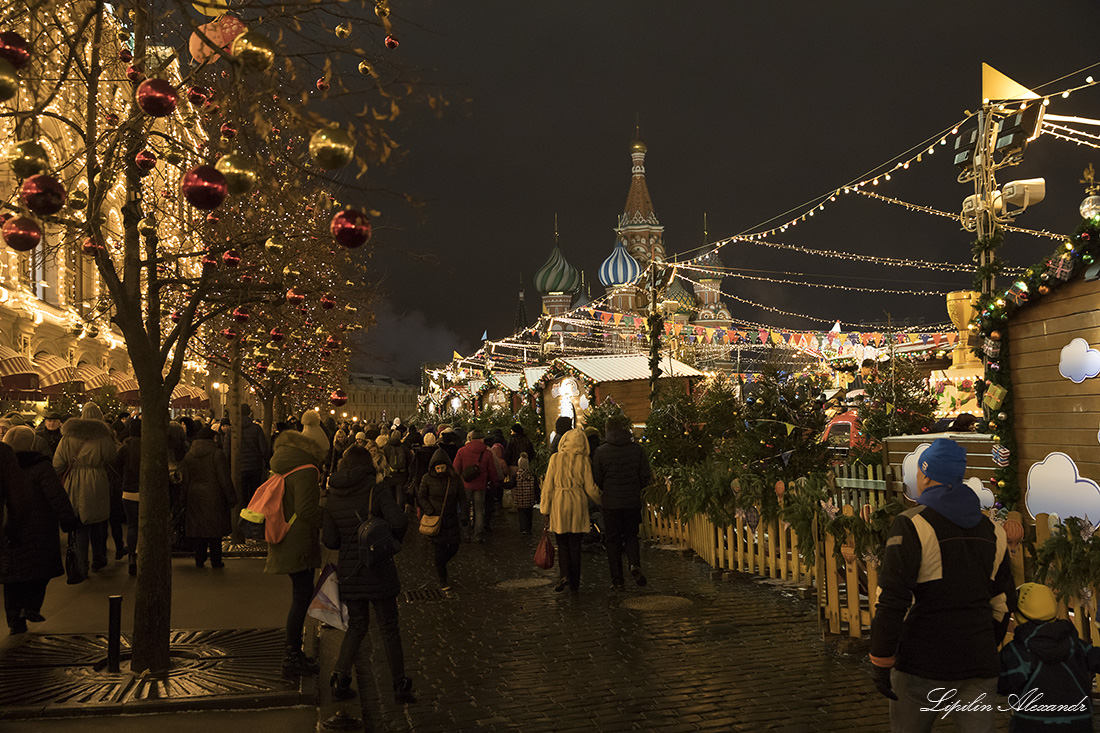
column 36, row 504
column 441, row 496
column 354, row 496
column 129, row 467
column 421, row 458
column 89, row 448
column 621, row 470
column 51, row 437
column 397, row 456
column 561, row 426
column 299, row 550
column 518, row 444
column 207, row 492
column 1050, row 658
column 476, row 453
column 568, row 485
column 523, row 493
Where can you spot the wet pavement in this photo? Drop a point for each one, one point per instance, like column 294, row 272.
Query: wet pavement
column 505, row 652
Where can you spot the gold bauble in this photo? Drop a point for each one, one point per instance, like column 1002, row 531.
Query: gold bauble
column 28, row 158
column 344, row 29
column 253, row 51
column 210, row 8
column 78, row 199
column 241, row 172
column 147, row 226
column 275, row 244
column 382, row 10
column 365, row 68
column 9, row 80
column 331, row 148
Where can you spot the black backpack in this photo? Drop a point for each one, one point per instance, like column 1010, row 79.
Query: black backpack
column 375, row 537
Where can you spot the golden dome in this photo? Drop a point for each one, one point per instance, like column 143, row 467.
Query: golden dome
column 638, row 146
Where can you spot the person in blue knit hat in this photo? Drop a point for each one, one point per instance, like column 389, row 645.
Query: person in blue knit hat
column 1046, row 670
column 942, row 609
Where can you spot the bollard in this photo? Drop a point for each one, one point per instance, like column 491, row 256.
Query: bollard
column 114, row 632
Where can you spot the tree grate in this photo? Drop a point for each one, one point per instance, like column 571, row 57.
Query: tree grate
column 422, row 595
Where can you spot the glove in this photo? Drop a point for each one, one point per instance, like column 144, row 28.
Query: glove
column 881, row 677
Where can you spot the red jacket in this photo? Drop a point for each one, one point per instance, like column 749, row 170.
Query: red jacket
column 476, row 453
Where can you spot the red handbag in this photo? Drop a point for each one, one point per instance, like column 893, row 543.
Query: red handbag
column 544, row 553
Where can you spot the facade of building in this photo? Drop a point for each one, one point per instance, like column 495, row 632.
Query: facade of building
column 376, row 397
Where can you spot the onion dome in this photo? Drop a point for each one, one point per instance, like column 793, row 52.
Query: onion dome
column 710, row 259
column 557, row 275
column 620, row 268
column 677, row 292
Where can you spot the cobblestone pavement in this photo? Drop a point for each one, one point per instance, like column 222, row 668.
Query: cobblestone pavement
column 739, row 656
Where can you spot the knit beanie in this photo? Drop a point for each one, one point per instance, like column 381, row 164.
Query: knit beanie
column 944, row 462
column 20, row 438
column 429, row 439
column 523, row 464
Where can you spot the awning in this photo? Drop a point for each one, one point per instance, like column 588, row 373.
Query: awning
column 17, row 374
column 55, row 375
column 93, row 377
column 200, row 399
column 128, row 390
column 184, row 395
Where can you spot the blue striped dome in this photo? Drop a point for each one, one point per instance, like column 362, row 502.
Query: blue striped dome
column 619, row 269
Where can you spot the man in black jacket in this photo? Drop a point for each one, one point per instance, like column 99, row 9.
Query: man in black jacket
column 943, row 600
column 621, row 470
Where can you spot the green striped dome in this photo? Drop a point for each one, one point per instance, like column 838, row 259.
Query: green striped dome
column 557, row 275
column 677, row 292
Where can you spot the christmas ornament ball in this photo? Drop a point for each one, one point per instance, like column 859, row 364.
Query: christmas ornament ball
column 275, row 244
column 21, row 233
column 995, row 335
column 91, row 247
column 157, row 97
column 78, row 199
column 391, row 42
column 253, row 51
column 331, row 148
column 229, row 334
column 145, row 160
column 294, row 296
column 1000, row 484
column 350, row 228
column 27, row 158
column 198, row 96
column 276, row 334
column 328, row 302
column 9, row 80
column 382, row 10
column 322, row 85
column 229, row 130
column 147, row 226
column 240, row 314
column 231, row 258
column 343, row 30
column 204, row 187
column 338, row 398
column 43, row 195
column 14, row 49
column 241, row 172
column 365, row 68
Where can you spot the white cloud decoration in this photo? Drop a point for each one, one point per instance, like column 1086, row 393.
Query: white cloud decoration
column 1054, row 486
column 984, row 494
column 909, row 468
column 1078, row 361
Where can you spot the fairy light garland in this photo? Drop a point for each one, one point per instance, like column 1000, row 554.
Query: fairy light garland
column 1072, row 139
column 783, row 281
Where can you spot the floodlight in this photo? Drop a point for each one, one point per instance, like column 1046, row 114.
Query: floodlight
column 1026, row 192
column 966, row 143
column 1020, row 128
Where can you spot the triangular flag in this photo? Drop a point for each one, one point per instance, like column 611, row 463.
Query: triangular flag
column 996, row 87
column 889, row 408
column 485, row 335
column 835, row 328
column 789, row 427
column 456, row 356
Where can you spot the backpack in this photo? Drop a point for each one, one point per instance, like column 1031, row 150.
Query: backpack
column 263, row 518
column 375, row 538
column 471, row 472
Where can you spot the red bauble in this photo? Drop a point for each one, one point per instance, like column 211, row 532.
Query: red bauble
column 333, row 343
column 211, row 109
column 176, row 317
column 209, row 262
column 328, row 302
column 240, row 314
column 229, row 334
column 111, row 118
column 198, row 96
column 246, row 278
column 157, row 97
column 294, row 297
column 261, row 366
column 276, row 335
column 135, row 74
column 229, row 130
column 322, row 85
column 326, row 352
column 125, row 56
column 145, row 160
column 303, row 310
column 350, row 228
column 21, row 233
column 391, row 42
column 231, row 258
column 14, row 49
column 338, row 398
column 44, row 195
column 212, row 219
column 204, row 187
column 92, row 247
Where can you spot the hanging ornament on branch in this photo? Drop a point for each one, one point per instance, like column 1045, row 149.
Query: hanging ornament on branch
column 350, row 228
column 9, row 80
column 157, row 97
column 43, row 195
column 21, row 233
column 14, row 49
column 253, row 51
column 331, row 148
column 241, row 172
column 204, row 187
column 27, row 158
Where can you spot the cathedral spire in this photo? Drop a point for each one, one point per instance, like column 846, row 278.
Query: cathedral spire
column 638, row 224
column 521, row 310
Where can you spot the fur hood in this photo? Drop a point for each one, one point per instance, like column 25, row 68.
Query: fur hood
column 311, row 417
column 294, row 439
column 81, row 429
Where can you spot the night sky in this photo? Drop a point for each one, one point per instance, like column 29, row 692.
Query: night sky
column 749, row 110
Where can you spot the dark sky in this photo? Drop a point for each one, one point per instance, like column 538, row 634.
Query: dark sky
column 749, row 109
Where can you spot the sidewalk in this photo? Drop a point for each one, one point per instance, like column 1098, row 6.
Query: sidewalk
column 506, row 652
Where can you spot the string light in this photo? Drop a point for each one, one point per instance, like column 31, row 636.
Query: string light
column 783, row 281
column 837, row 254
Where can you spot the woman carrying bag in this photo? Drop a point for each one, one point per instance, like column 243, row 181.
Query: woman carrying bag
column 565, row 492
column 439, row 495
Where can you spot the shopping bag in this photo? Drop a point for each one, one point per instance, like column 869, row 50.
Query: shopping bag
column 75, row 571
column 544, row 553
column 326, row 606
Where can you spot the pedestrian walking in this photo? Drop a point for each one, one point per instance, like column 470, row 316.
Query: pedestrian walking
column 942, row 604
column 440, row 495
column 523, row 495
column 82, row 458
column 299, row 553
column 129, row 468
column 36, row 505
column 621, row 469
column 562, row 425
column 208, row 496
column 50, row 431
column 1049, row 664
column 477, row 467
column 354, row 497
column 255, row 453
column 518, row 444
column 565, row 493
